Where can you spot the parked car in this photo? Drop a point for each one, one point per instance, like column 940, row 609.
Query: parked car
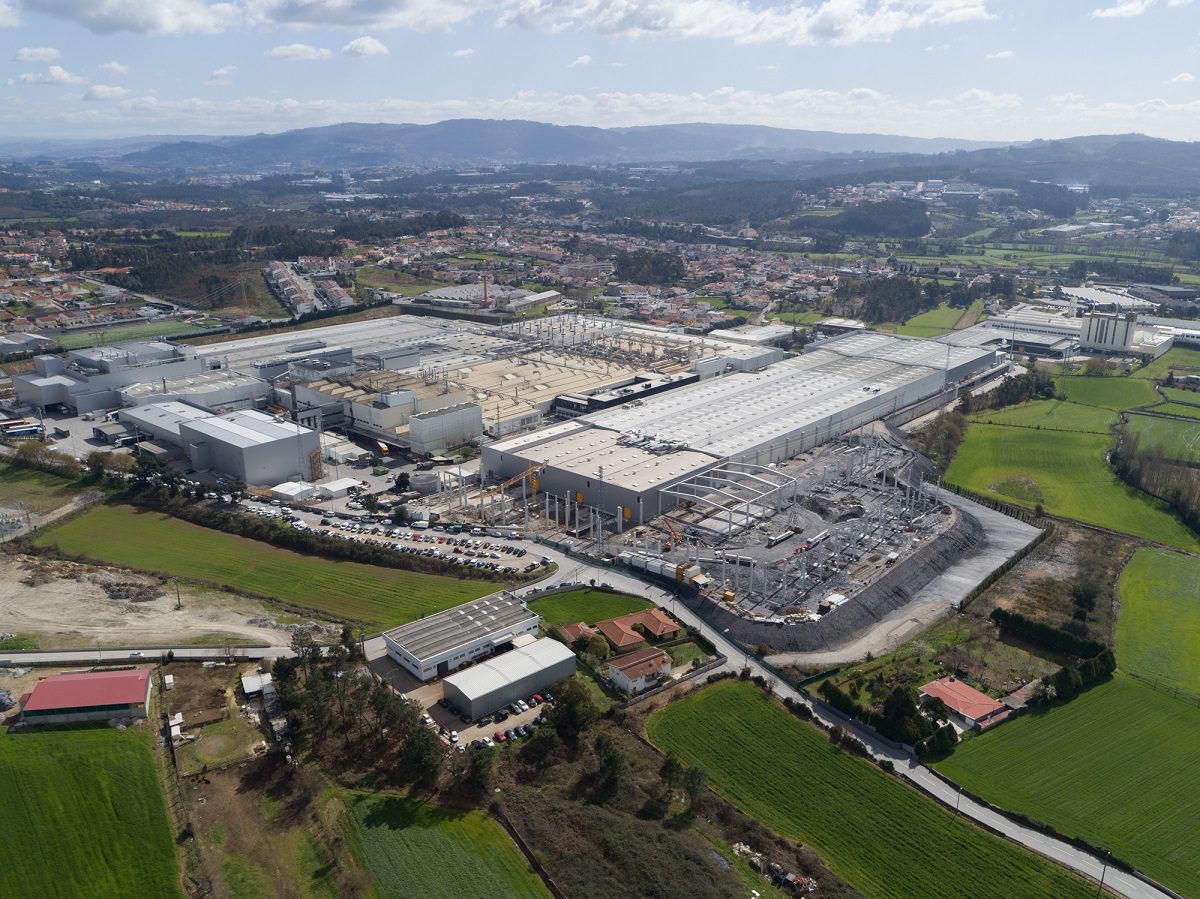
column 499, row 737
column 510, row 735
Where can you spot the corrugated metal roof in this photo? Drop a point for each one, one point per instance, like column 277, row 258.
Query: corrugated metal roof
column 92, row 688
column 483, row 678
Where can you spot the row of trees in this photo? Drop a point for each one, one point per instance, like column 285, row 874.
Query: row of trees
column 904, row 717
column 1033, row 384
column 1175, row 482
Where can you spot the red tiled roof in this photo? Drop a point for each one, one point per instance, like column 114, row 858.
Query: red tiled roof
column 963, row 698
column 92, row 688
column 640, row 663
column 657, row 622
column 619, row 632
column 572, row 632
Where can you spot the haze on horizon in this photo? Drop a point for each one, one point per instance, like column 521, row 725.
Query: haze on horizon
column 996, row 70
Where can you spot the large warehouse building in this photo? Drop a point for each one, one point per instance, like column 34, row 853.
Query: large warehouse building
column 495, row 683
column 90, row 696
column 435, row 646
column 633, row 462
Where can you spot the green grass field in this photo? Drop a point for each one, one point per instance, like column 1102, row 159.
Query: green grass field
column 933, row 323
column 1179, row 395
column 1179, row 358
column 1069, row 474
column 1177, row 439
column 1055, row 415
column 882, row 836
column 588, row 606
column 383, row 597
column 1178, row 409
column 82, row 814
column 1114, row 766
column 1106, row 393
column 412, row 848
column 1158, row 631
column 39, row 491
column 76, row 339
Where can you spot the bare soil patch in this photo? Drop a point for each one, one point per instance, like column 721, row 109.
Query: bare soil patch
column 72, row 605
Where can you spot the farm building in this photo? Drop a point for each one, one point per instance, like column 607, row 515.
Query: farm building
column 435, row 646
column 639, row 671
column 975, row 709
column 90, row 696
column 494, row 683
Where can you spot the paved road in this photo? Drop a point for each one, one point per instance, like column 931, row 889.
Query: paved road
column 1085, row 863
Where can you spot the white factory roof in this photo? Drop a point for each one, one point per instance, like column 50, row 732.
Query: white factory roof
column 481, row 679
column 248, row 428
column 906, row 351
column 586, row 450
column 168, row 415
column 725, row 416
column 490, row 617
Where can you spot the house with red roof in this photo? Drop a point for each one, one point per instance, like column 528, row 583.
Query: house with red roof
column 639, row 671
column 572, row 632
column 977, row 709
column 89, row 696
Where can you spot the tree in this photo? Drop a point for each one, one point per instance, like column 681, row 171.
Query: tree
column 422, row 758
column 481, row 767
column 612, row 764
column 670, row 772
column 597, row 646
column 694, row 782
column 935, row 709
column 573, row 711
column 370, row 502
column 96, row 462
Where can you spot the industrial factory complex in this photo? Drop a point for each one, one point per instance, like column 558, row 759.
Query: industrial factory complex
column 770, row 486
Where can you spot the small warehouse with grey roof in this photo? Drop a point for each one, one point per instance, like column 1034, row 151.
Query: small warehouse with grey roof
column 497, row 682
column 435, row 646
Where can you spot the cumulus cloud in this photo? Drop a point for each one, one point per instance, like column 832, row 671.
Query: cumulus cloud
column 8, row 16
column 99, row 92
column 579, row 61
column 799, row 22
column 54, row 76
column 37, row 54
column 1001, row 54
column 113, row 68
column 1182, row 78
column 463, row 53
column 1125, row 10
column 299, row 51
column 362, row 47
column 217, row 16
column 221, row 76
column 818, row 21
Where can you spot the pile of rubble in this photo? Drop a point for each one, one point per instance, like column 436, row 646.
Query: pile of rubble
column 796, row 884
column 317, row 630
column 118, row 583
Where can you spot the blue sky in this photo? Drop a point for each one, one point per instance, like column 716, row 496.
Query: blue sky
column 982, row 69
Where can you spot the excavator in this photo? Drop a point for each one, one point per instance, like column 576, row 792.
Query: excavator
column 674, row 535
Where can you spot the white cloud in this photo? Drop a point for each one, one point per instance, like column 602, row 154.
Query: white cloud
column 37, row 54
column 1001, row 54
column 220, row 76
column 579, row 61
column 8, row 16
column 157, row 17
column 822, row 21
column 463, row 53
column 1182, row 78
column 1125, row 10
column 106, row 92
column 799, row 22
column 113, row 68
column 54, row 75
column 362, row 47
column 299, row 51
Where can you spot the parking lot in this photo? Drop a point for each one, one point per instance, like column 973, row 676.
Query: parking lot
column 445, row 720
column 469, row 548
